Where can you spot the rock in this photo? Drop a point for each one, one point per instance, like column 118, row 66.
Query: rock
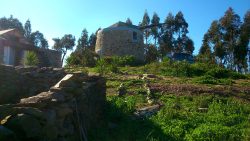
column 203, row 110
column 25, row 125
column 147, row 111
column 150, row 75
column 3, row 121
column 151, row 101
column 121, row 90
column 57, row 113
column 35, row 112
column 20, row 82
column 42, row 97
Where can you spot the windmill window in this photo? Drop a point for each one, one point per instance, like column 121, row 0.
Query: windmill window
column 134, row 36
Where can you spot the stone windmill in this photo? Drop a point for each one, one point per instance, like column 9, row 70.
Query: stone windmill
column 121, row 39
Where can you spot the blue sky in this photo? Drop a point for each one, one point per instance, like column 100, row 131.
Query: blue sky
column 54, row 18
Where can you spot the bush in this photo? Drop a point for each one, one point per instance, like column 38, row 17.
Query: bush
column 122, row 61
column 127, row 60
column 101, row 66
column 219, row 73
column 181, row 68
column 225, row 73
column 82, row 57
column 206, row 79
column 199, row 69
column 236, row 75
column 113, row 65
column 31, row 59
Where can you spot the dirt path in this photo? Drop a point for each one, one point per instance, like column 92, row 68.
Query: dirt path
column 242, row 92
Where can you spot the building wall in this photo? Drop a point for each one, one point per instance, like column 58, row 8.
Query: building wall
column 46, row 57
column 18, row 44
column 119, row 41
column 49, row 58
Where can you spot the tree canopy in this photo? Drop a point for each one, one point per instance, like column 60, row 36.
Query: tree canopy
column 67, row 42
column 38, row 40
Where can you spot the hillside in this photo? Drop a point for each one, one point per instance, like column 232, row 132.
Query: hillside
column 178, row 107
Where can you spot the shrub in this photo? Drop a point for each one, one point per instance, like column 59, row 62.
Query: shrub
column 236, row 75
column 181, row 68
column 122, row 61
column 226, row 81
column 101, row 66
column 31, row 59
column 225, row 73
column 82, row 57
column 219, row 73
column 127, row 60
column 206, row 79
column 113, row 65
column 199, row 69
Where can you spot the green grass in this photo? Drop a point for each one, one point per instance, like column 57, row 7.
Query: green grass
column 226, row 119
column 223, row 118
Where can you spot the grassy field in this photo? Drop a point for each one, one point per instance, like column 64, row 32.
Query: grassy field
column 192, row 108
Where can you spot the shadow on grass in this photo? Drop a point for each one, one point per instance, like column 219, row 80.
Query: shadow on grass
column 120, row 125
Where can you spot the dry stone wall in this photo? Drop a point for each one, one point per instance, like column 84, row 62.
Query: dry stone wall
column 20, row 82
column 64, row 113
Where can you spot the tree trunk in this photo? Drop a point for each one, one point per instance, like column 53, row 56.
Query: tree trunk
column 63, row 57
column 64, row 53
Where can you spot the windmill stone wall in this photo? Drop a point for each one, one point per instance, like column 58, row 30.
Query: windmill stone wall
column 120, row 39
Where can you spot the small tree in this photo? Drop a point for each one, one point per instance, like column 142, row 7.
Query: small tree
column 67, row 42
column 101, row 66
column 31, row 59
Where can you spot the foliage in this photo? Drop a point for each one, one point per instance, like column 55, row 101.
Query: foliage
column 30, row 59
column 67, row 42
column 206, row 79
column 154, row 30
column 92, row 41
column 151, row 54
column 37, row 39
column 146, row 22
column 226, row 119
column 122, row 60
column 226, row 41
column 10, row 23
column 83, row 40
column 113, row 65
column 224, row 73
column 101, row 66
column 82, row 57
column 184, row 69
column 86, row 41
column 27, row 30
column 166, row 38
